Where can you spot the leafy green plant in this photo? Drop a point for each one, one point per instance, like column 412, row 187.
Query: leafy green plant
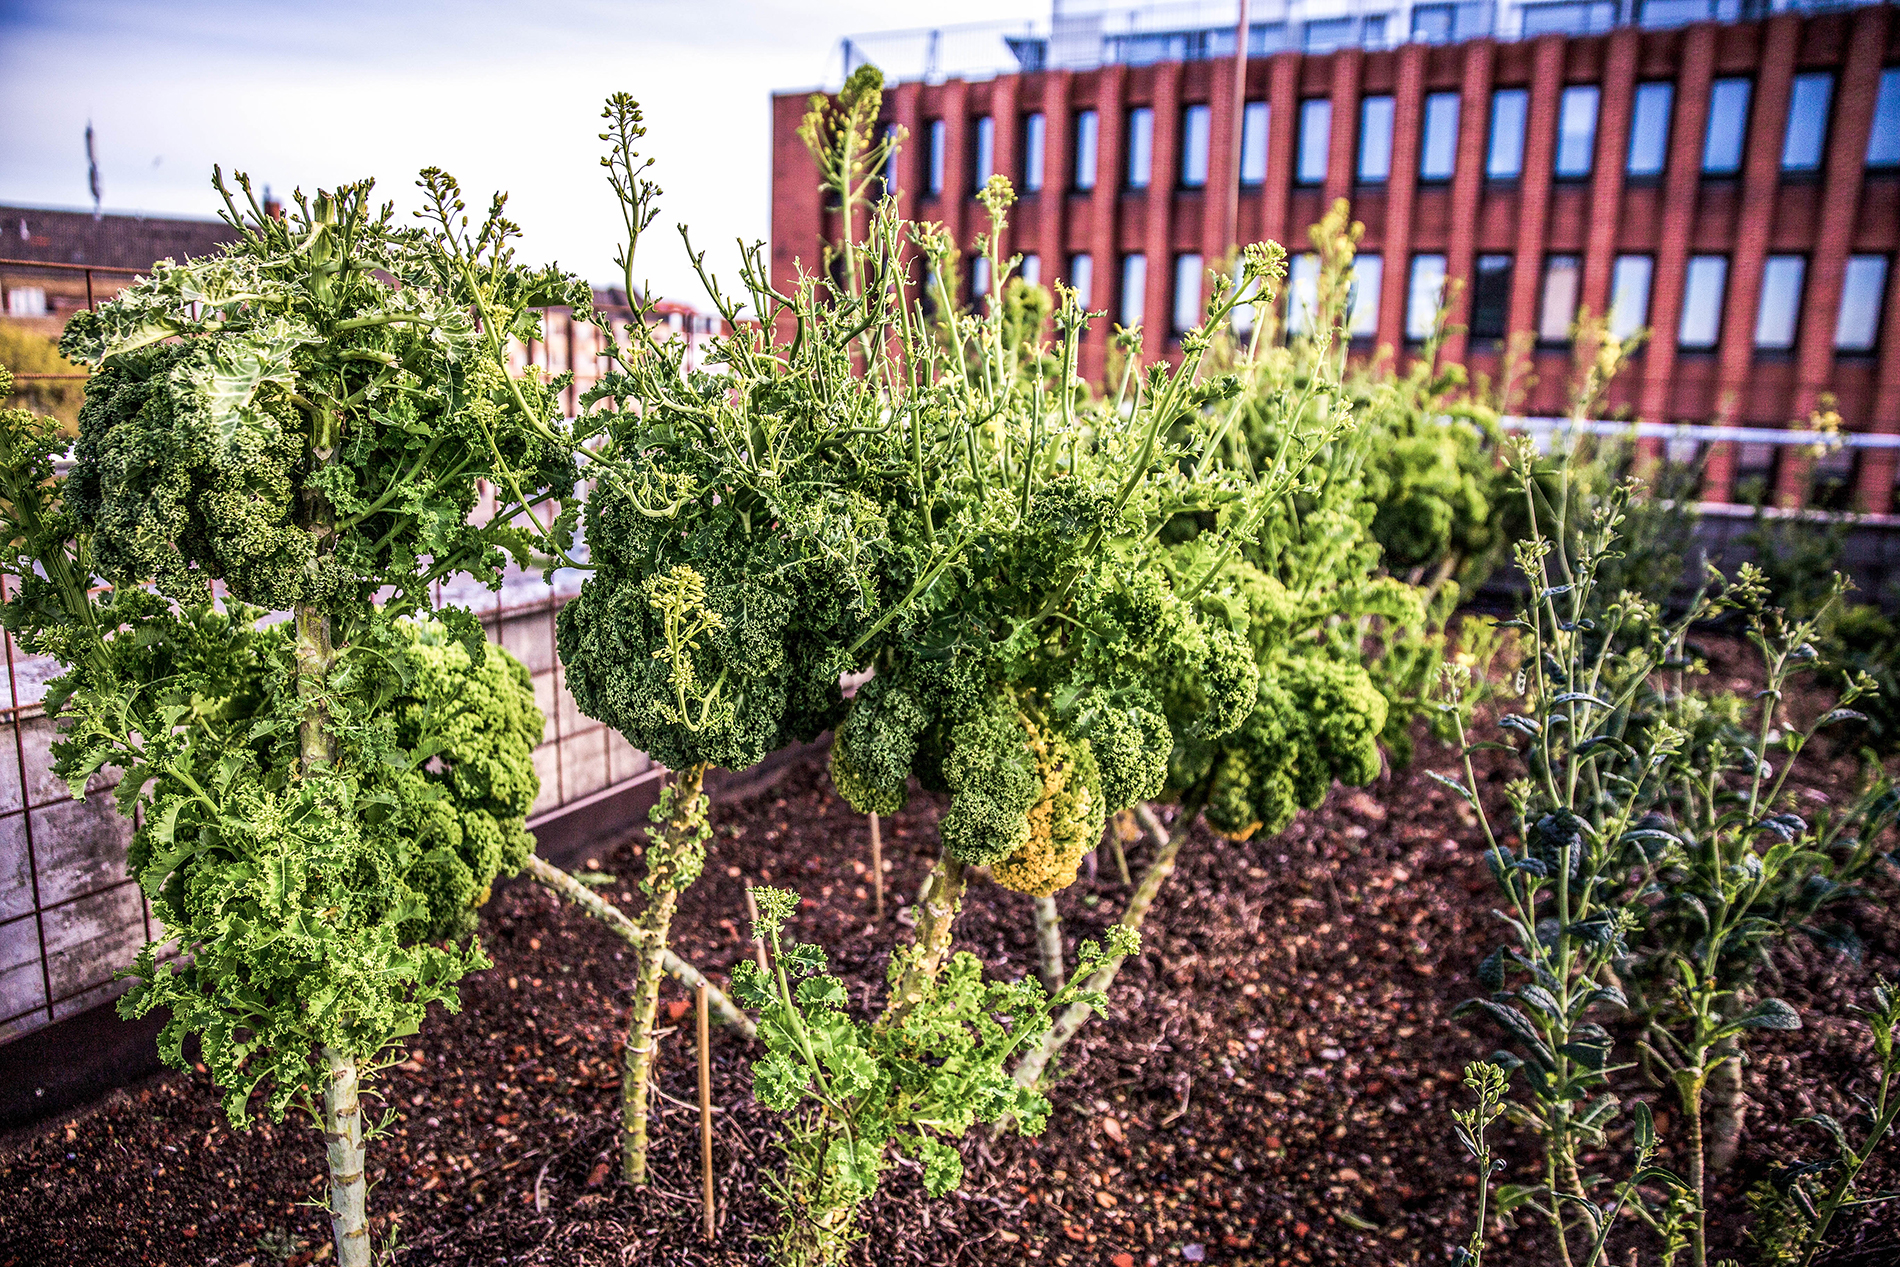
column 854, row 1094
column 303, row 419
column 24, row 352
column 1798, row 1207
column 1654, row 847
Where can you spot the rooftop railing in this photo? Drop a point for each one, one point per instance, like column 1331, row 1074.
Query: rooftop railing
column 1084, row 34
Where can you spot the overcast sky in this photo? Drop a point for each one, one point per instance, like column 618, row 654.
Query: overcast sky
column 505, row 95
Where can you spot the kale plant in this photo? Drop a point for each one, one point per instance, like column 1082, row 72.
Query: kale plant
column 304, row 421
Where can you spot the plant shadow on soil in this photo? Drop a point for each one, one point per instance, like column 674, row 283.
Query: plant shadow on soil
column 1274, row 1085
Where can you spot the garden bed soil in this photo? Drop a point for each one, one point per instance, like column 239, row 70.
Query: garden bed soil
column 1274, row 1086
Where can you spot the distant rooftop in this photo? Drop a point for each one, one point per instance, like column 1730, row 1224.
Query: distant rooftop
column 1084, row 34
column 111, row 240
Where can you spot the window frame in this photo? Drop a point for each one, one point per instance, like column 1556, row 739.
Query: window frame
column 1088, row 145
column 982, row 151
column 1747, row 86
column 1370, row 106
column 1035, row 152
column 1181, row 265
column 1574, row 264
column 1887, row 106
column 1138, row 128
column 1456, row 102
column 1721, row 302
column 1309, row 109
column 1768, row 270
column 1265, row 131
column 1577, row 92
column 1479, row 295
column 1872, row 346
column 1190, row 112
column 936, row 160
column 1630, row 171
column 1649, row 291
column 1362, row 311
column 1134, row 277
column 1498, row 96
column 1415, row 320
column 1823, row 131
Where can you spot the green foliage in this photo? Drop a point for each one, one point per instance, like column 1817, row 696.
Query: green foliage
column 1652, row 851
column 854, row 1094
column 1795, row 1210
column 211, row 374
column 322, row 802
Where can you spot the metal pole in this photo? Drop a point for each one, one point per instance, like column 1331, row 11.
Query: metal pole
column 1230, row 224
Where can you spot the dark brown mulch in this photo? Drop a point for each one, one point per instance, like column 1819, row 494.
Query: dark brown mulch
column 1274, row 1087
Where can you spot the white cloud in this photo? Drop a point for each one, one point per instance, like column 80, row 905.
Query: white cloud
column 504, row 95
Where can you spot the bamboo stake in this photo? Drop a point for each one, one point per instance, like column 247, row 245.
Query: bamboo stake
column 877, row 868
column 616, row 920
column 705, row 1111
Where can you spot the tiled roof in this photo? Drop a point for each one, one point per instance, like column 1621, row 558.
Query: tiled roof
column 118, row 241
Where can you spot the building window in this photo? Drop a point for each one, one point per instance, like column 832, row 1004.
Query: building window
column 979, row 277
column 1649, row 128
column 1035, row 136
column 1375, row 140
column 1253, row 143
column 1362, row 296
column 983, row 152
column 936, row 158
column 1805, row 141
column 1030, row 270
column 1316, row 135
column 1134, row 289
column 1082, row 279
column 1563, row 278
column 1883, row 147
column 1863, row 290
column 1702, row 288
column 1195, row 122
column 1244, row 315
column 1728, row 127
column 1187, row 292
column 1780, row 310
column 1491, row 297
column 1302, row 294
column 1141, row 147
column 1087, row 131
column 1438, row 149
column 1504, row 160
column 1577, row 131
column 1427, row 293
column 26, row 301
column 1629, row 294
column 887, row 169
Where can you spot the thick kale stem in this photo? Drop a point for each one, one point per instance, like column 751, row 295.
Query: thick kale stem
column 343, row 1140
column 936, row 912
column 1030, row 1069
column 1049, row 944
column 674, row 854
column 617, row 922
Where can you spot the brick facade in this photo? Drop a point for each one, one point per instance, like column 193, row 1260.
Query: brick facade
column 1762, row 211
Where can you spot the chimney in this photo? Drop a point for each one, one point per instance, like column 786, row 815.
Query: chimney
column 272, row 208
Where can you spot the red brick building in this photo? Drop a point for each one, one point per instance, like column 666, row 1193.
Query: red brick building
column 1732, row 187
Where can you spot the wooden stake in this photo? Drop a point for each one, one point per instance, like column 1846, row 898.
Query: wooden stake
column 877, row 867
column 752, row 914
column 705, row 1111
